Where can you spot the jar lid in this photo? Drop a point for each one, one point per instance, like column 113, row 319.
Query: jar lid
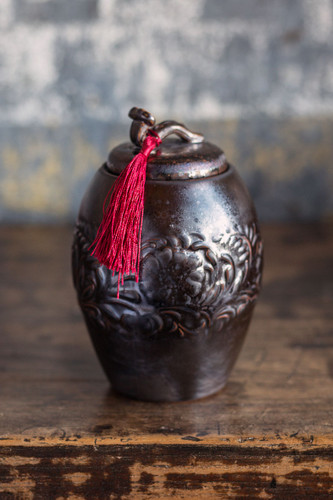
column 189, row 157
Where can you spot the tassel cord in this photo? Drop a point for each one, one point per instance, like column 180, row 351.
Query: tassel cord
column 118, row 239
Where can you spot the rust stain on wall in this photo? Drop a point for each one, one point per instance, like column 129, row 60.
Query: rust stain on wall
column 286, row 164
column 86, row 157
column 39, row 189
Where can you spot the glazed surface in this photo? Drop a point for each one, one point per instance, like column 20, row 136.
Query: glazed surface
column 175, row 334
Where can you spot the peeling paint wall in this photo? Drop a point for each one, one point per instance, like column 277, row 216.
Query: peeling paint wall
column 256, row 76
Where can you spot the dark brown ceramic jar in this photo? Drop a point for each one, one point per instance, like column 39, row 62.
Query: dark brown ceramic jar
column 176, row 334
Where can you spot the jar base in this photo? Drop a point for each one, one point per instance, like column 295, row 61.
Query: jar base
column 172, row 395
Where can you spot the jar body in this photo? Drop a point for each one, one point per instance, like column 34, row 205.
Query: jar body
column 176, row 334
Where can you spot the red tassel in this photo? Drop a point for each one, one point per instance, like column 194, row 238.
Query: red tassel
column 118, row 239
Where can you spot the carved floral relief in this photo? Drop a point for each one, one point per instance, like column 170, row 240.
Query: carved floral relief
column 187, row 283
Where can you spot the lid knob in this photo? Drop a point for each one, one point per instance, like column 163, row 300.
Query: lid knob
column 143, row 121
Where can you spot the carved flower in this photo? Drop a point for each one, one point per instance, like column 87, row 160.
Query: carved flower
column 172, row 276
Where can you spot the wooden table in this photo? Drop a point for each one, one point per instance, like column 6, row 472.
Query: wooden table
column 65, row 435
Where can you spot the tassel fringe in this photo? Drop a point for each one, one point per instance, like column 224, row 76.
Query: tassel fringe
column 118, row 239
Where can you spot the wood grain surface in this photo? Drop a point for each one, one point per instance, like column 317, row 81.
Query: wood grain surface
column 65, row 435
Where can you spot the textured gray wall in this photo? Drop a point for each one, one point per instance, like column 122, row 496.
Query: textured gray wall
column 256, row 76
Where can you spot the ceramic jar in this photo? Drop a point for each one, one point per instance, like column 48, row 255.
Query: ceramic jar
column 176, row 334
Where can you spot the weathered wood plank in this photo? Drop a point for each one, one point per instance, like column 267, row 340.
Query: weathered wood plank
column 164, row 471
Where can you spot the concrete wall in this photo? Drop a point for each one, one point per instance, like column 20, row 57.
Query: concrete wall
column 256, row 76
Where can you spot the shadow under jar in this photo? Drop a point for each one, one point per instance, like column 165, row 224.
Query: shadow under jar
column 176, row 334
